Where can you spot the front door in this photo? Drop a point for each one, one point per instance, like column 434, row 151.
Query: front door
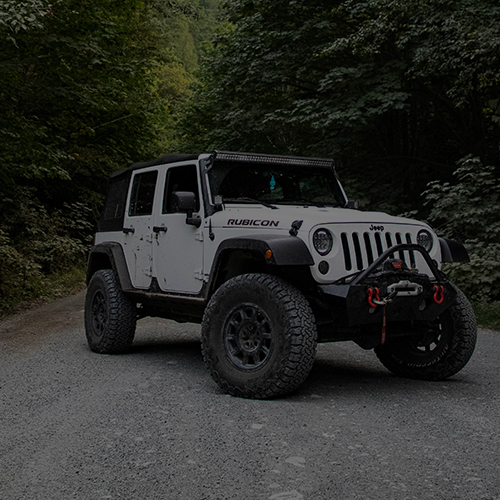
column 138, row 228
column 177, row 246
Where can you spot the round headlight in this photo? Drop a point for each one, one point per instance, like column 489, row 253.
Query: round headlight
column 424, row 239
column 322, row 241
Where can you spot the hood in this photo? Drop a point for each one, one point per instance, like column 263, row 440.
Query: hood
column 283, row 217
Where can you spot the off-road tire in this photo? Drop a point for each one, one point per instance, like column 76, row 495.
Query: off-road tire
column 438, row 354
column 258, row 337
column 110, row 317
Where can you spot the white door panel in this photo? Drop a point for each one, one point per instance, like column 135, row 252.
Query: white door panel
column 177, row 246
column 138, row 224
column 178, row 254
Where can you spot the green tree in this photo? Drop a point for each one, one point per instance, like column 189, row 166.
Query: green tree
column 397, row 91
column 80, row 98
column 185, row 29
column 76, row 97
column 86, row 88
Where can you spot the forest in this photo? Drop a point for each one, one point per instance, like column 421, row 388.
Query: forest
column 403, row 94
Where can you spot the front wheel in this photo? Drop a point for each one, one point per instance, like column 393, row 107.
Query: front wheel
column 110, row 317
column 258, row 337
column 439, row 352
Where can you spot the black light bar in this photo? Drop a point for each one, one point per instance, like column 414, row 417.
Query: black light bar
column 230, row 156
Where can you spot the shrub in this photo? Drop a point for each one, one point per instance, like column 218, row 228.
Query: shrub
column 469, row 211
column 35, row 244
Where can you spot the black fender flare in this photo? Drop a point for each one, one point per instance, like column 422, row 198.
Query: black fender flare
column 274, row 250
column 111, row 252
column 453, row 251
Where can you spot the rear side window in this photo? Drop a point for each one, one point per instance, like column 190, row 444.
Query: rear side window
column 143, row 192
column 114, row 206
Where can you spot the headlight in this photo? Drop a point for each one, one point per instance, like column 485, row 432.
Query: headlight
column 322, row 241
column 424, row 239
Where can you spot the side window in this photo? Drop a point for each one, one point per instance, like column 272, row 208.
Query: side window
column 180, row 179
column 115, row 201
column 114, row 206
column 143, row 192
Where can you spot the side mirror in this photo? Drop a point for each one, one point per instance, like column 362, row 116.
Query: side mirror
column 352, row 204
column 184, row 201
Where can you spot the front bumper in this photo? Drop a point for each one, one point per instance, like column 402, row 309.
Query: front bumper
column 393, row 291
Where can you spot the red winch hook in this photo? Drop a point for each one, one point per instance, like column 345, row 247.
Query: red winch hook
column 437, row 290
column 374, row 302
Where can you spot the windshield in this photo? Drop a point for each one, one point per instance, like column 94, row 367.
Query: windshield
column 293, row 185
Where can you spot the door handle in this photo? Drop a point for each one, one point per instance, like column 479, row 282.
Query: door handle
column 160, row 229
column 128, row 230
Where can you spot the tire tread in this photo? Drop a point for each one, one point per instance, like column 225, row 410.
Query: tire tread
column 459, row 352
column 301, row 331
column 121, row 319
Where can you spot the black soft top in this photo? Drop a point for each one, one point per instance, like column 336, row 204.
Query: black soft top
column 170, row 158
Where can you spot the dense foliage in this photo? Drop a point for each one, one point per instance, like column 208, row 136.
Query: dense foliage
column 468, row 209
column 395, row 90
column 86, row 87
column 398, row 91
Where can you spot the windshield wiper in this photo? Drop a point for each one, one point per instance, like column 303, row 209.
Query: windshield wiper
column 246, row 199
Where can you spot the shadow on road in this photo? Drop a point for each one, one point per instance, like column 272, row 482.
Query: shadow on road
column 338, row 369
column 183, row 349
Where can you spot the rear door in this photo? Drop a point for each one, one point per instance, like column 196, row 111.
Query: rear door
column 138, row 227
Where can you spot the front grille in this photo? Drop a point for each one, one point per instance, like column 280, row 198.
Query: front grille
column 361, row 249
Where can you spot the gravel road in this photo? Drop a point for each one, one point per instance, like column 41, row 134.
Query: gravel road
column 152, row 423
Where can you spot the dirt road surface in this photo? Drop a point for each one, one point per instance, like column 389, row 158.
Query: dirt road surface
column 152, row 423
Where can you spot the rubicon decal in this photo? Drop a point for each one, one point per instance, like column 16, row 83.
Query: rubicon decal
column 252, row 222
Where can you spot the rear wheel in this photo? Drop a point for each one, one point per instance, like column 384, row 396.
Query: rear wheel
column 438, row 353
column 258, row 337
column 110, row 317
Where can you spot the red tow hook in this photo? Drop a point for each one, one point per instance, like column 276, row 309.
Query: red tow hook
column 438, row 290
column 370, row 297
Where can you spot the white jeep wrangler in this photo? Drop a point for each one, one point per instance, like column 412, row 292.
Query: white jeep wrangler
column 269, row 255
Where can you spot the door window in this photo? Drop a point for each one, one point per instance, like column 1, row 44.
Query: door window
column 143, row 192
column 180, row 179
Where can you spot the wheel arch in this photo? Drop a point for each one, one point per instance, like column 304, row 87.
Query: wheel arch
column 109, row 256
column 284, row 256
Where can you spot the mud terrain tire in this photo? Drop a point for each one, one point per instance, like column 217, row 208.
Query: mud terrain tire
column 438, row 354
column 110, row 317
column 258, row 337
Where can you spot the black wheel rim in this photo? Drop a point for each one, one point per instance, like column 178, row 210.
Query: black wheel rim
column 248, row 337
column 432, row 344
column 99, row 313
